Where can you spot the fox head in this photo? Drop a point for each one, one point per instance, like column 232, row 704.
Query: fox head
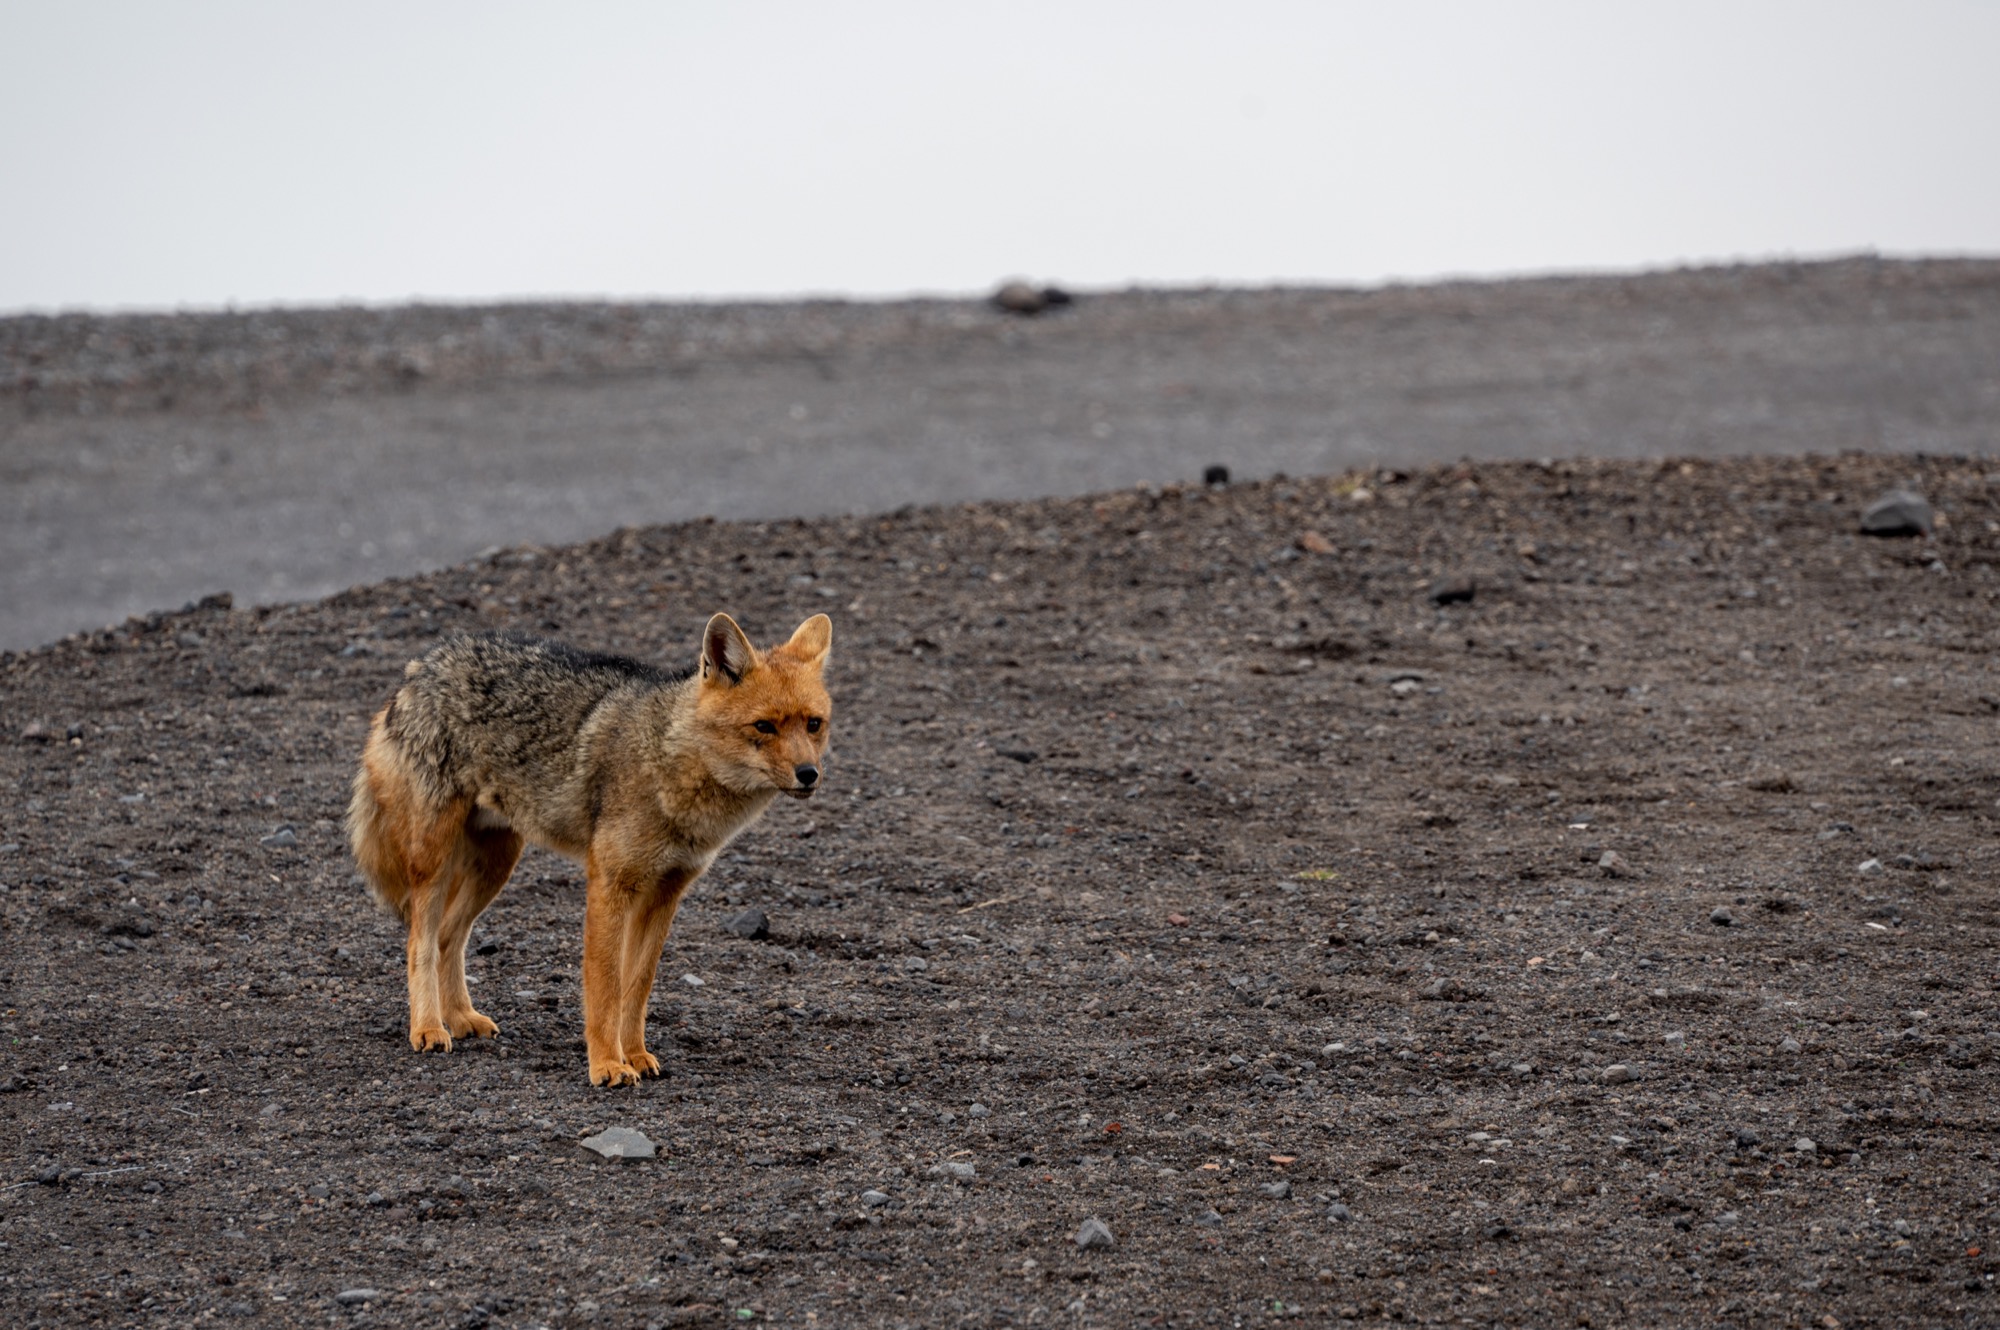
column 767, row 714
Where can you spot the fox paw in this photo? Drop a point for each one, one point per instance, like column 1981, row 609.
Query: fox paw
column 427, row 1037
column 612, row 1073
column 645, row 1063
column 471, row 1025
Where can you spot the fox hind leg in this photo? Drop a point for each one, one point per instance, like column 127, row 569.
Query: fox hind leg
column 479, row 867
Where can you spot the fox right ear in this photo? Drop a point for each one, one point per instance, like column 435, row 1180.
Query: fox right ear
column 725, row 651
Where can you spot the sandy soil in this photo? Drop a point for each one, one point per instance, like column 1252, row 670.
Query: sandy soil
column 146, row 461
column 1350, row 956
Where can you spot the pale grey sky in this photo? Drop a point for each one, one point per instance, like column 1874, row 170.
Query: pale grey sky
column 201, row 152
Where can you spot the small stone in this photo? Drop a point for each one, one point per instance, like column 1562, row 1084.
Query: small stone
column 1900, row 512
column 1805, row 1145
column 1614, row 864
column 957, row 1169
column 620, row 1143
column 1674, row 1038
column 692, row 980
column 1312, row 542
column 1457, row 589
column 1339, row 1213
column 1278, row 1190
column 1094, row 1233
column 1019, row 298
column 35, row 732
column 354, row 1297
column 190, row 640
column 872, row 1198
column 979, row 1110
column 1747, row 1139
column 284, row 838
column 1617, row 1074
column 1209, row 1219
column 750, row 924
column 1215, row 475
column 1869, row 867
column 1790, row 1045
column 1721, row 917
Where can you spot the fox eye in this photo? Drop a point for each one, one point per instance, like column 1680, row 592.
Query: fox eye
column 766, row 727
column 812, row 724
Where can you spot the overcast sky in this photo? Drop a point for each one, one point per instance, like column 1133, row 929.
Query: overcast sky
column 197, row 153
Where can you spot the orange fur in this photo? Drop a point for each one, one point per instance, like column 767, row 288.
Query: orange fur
column 493, row 743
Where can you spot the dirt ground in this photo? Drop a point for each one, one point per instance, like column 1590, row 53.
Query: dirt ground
column 148, row 460
column 1612, row 948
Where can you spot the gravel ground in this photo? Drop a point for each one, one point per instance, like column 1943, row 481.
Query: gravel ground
column 1614, row 947
column 146, row 461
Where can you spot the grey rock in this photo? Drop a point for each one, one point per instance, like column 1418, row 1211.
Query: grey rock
column 620, row 1143
column 1869, row 867
column 284, row 838
column 1898, row 513
column 1278, row 1190
column 751, row 924
column 1747, row 1139
column 1339, row 1213
column 1020, row 298
column 1215, row 475
column 955, row 1168
column 872, row 1198
column 979, row 1111
column 1790, row 1045
column 1457, row 589
column 1806, row 1145
column 1721, row 917
column 1209, row 1219
column 1617, row 1074
column 1095, row 1233
column 353, row 1297
column 1614, row 864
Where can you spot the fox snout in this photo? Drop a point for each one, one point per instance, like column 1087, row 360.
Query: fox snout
column 806, row 775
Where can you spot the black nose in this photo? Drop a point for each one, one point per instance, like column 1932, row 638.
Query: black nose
column 808, row 776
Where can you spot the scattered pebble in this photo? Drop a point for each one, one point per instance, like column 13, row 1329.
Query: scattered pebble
column 1805, row 1145
column 1674, row 1037
column 353, row 1297
column 1900, row 512
column 284, row 838
column 1215, row 475
column 620, row 1143
column 1094, row 1233
column 1457, row 589
column 1209, row 1219
column 872, row 1198
column 1278, row 1190
column 1614, row 864
column 1617, row 1074
column 692, row 980
column 955, row 1168
column 1339, row 1213
column 978, row 1110
column 1869, row 867
column 1721, row 917
column 751, row 924
column 1790, row 1045
column 1312, row 542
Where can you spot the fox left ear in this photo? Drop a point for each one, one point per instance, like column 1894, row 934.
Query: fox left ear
column 811, row 641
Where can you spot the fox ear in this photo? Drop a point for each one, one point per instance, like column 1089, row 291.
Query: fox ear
column 725, row 651
column 811, row 641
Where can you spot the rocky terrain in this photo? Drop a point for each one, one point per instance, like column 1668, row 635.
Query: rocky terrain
column 1487, row 893
column 149, row 460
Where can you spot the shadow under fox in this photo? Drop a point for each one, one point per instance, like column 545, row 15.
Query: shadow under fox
column 641, row 773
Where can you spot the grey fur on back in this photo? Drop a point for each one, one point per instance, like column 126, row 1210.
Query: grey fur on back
column 514, row 723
